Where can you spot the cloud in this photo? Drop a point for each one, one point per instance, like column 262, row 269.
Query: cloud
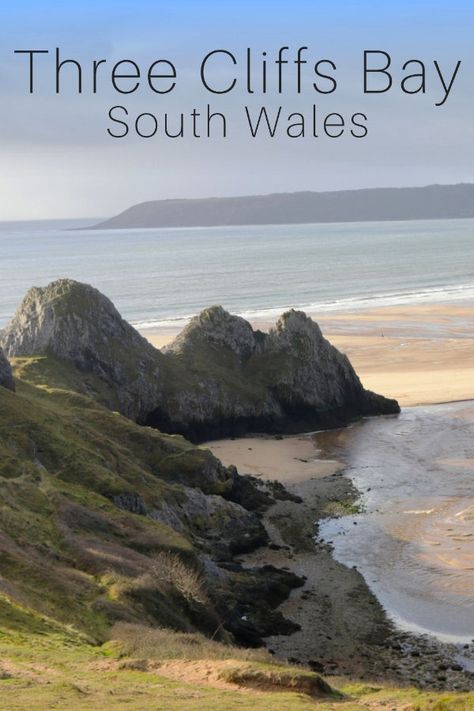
column 58, row 160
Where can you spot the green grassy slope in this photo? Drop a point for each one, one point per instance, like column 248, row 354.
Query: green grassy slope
column 84, row 621
column 66, row 551
column 59, row 670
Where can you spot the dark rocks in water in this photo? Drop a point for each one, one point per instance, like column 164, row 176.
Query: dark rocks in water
column 76, row 323
column 219, row 377
column 6, row 376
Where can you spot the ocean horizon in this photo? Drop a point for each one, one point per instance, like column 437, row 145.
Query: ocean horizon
column 159, row 278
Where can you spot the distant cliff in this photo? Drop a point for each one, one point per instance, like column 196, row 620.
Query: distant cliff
column 218, row 378
column 433, row 202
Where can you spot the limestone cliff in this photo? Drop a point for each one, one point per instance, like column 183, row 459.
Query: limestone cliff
column 78, row 324
column 237, row 379
column 6, row 377
column 219, row 377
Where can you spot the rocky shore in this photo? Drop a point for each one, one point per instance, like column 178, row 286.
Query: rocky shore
column 344, row 631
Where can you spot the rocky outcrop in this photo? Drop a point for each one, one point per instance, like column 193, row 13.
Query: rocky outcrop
column 216, row 328
column 313, row 375
column 237, row 379
column 76, row 323
column 218, row 378
column 6, row 377
column 221, row 527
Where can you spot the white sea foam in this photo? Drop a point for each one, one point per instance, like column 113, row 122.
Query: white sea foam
column 439, row 294
column 419, row 512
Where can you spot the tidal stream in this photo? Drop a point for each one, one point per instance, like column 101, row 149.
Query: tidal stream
column 413, row 539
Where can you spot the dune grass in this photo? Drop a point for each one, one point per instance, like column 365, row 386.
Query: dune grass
column 60, row 670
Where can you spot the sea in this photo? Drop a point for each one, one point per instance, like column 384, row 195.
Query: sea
column 161, row 277
column 413, row 535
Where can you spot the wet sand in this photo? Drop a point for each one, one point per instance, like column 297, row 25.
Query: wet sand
column 419, row 355
column 289, row 460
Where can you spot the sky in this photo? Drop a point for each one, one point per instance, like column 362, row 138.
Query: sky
column 59, row 161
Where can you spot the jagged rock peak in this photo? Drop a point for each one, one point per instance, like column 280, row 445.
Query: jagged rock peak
column 296, row 320
column 61, row 316
column 286, row 380
column 293, row 323
column 299, row 336
column 6, row 376
column 76, row 323
column 216, row 326
column 312, row 371
column 218, row 378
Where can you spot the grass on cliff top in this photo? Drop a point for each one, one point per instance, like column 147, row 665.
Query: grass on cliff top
column 59, row 670
column 52, row 384
column 69, row 557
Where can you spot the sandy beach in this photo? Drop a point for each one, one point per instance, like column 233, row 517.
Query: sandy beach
column 420, row 355
column 290, row 460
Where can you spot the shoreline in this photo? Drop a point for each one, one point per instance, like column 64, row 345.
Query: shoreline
column 421, row 355
column 344, row 629
column 418, row 354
